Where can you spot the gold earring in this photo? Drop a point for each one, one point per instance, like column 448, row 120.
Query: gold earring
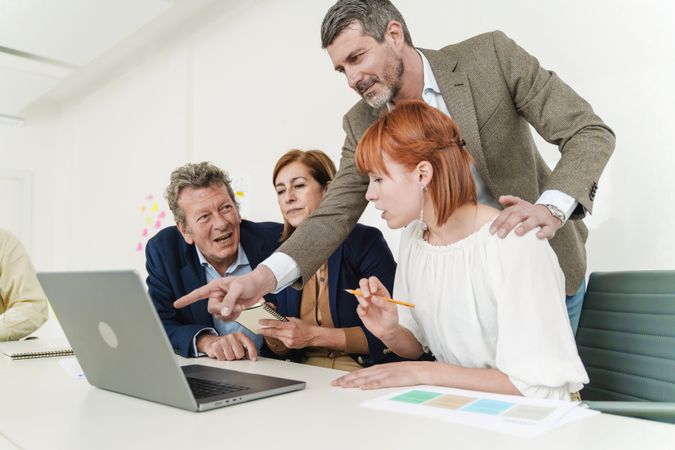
column 422, row 190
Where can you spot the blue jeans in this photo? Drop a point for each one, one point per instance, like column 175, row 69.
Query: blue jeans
column 574, row 303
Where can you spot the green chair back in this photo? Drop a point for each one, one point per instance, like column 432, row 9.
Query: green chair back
column 626, row 337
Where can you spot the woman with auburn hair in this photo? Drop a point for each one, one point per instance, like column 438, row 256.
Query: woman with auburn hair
column 491, row 310
column 324, row 328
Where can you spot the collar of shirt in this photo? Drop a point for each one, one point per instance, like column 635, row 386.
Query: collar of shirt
column 239, row 267
column 430, row 83
column 431, row 93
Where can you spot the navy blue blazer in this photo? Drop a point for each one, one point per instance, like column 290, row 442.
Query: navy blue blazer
column 174, row 270
column 363, row 254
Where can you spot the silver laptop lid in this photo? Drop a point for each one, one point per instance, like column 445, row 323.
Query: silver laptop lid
column 116, row 335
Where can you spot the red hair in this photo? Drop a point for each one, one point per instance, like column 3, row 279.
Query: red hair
column 414, row 132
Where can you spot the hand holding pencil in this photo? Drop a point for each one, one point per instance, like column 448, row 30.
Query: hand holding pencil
column 387, row 299
column 380, row 316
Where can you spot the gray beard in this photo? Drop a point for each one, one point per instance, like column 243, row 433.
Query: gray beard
column 378, row 101
column 391, row 87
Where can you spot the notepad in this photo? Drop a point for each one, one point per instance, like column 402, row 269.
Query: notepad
column 249, row 317
column 34, row 349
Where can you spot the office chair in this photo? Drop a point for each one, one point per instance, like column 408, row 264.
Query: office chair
column 626, row 340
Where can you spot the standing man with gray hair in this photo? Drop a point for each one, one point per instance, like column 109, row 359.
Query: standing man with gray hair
column 494, row 90
column 209, row 242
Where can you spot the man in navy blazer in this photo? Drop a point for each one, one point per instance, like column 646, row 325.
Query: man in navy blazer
column 209, row 241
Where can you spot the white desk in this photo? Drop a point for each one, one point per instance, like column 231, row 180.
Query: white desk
column 42, row 407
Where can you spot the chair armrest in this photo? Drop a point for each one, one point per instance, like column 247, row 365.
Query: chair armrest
column 636, row 409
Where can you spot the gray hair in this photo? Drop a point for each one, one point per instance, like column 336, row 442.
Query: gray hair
column 373, row 15
column 201, row 175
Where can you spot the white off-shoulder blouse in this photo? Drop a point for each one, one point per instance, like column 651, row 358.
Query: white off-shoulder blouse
column 487, row 302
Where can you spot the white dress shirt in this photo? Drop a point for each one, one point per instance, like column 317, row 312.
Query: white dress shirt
column 241, row 266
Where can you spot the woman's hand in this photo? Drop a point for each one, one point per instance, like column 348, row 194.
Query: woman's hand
column 378, row 315
column 293, row 334
column 386, row 375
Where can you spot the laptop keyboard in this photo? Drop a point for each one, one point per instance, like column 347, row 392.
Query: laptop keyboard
column 206, row 388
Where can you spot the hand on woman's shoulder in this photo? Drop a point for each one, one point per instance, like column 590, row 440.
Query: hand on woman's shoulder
column 485, row 214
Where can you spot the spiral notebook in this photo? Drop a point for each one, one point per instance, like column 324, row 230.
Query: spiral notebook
column 35, row 348
column 249, row 317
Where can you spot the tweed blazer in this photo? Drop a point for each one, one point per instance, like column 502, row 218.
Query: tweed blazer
column 494, row 90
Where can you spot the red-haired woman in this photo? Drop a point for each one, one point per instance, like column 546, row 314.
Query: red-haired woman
column 491, row 310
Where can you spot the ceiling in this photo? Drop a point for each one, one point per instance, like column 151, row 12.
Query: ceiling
column 45, row 44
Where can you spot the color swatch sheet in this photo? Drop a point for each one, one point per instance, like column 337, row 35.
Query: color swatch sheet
column 504, row 413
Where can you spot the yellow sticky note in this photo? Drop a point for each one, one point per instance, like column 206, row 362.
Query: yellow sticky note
column 154, row 207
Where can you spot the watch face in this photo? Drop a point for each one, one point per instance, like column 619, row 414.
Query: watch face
column 555, row 212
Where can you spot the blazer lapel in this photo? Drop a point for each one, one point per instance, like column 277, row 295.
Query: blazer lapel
column 456, row 92
column 293, row 301
column 334, row 267
column 252, row 245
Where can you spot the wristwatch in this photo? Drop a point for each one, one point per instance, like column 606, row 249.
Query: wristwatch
column 555, row 212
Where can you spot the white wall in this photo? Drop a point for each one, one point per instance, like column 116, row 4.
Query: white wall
column 256, row 83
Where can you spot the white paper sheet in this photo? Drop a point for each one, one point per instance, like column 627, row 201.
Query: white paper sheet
column 510, row 414
column 72, row 368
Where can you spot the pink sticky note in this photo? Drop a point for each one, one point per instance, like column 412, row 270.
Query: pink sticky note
column 145, row 232
column 139, row 247
column 162, row 215
column 158, row 224
column 148, row 197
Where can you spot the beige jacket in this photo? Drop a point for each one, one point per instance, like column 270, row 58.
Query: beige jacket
column 23, row 303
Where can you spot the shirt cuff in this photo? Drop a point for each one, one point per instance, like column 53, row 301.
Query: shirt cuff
column 210, row 331
column 559, row 199
column 356, row 341
column 284, row 268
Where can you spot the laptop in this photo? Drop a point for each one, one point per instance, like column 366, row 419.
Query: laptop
column 121, row 345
